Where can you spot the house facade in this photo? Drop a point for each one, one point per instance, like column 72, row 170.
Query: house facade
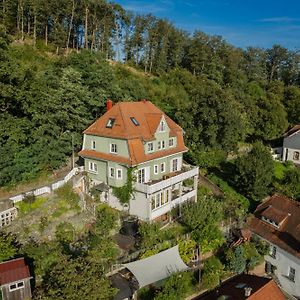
column 15, row 280
column 277, row 221
column 291, row 145
column 140, row 137
column 8, row 212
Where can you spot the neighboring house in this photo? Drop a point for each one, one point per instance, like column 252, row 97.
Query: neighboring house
column 241, row 287
column 277, row 221
column 7, row 212
column 140, row 136
column 291, row 145
column 15, row 280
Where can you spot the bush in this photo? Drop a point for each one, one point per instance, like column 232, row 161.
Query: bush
column 212, row 272
column 29, row 199
column 176, row 287
column 66, row 193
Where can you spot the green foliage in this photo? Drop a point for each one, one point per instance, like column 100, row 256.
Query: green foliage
column 125, row 192
column 29, row 199
column 67, row 195
column 71, row 278
column 236, row 260
column 212, row 273
column 8, row 247
column 187, row 250
column 25, row 208
column 100, row 245
column 202, row 219
column 289, row 185
column 65, row 233
column 235, row 204
column 150, row 235
column 177, row 287
column 254, row 172
column 245, row 256
column 44, row 222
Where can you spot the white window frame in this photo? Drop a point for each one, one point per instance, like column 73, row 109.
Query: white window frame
column 119, row 172
column 113, row 148
column 93, row 167
column 292, row 278
column 171, row 142
column 150, row 147
column 163, row 167
column 273, row 251
column 141, row 174
column 17, row 287
column 172, row 165
column 155, row 169
column 112, row 174
column 162, row 126
column 159, row 145
column 93, row 145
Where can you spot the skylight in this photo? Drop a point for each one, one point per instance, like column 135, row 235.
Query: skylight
column 134, row 121
column 110, row 123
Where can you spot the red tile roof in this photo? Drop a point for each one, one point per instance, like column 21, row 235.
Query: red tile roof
column 261, row 289
column 148, row 117
column 13, row 270
column 287, row 236
column 146, row 113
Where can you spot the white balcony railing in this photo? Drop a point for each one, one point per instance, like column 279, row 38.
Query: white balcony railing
column 150, row 188
column 171, row 204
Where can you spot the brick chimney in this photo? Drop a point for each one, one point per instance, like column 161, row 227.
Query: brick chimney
column 109, row 104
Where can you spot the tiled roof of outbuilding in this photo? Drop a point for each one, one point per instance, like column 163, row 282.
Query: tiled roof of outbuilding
column 13, row 270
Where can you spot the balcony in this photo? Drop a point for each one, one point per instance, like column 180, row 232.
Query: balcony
column 171, row 204
column 168, row 180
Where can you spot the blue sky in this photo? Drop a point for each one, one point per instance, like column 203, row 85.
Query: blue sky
column 241, row 22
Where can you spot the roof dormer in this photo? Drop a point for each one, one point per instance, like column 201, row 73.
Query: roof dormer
column 274, row 216
column 162, row 126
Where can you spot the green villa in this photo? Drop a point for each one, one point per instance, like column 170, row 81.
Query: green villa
column 139, row 135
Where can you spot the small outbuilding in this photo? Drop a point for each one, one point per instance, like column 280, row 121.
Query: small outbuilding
column 15, row 280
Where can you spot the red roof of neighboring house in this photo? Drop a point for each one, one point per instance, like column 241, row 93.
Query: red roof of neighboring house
column 286, row 213
column 148, row 116
column 13, row 270
column 261, row 289
column 293, row 130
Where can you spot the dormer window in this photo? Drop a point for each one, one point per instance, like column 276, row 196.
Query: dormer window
column 270, row 221
column 134, row 121
column 162, row 126
column 113, row 148
column 171, row 142
column 110, row 123
column 150, row 147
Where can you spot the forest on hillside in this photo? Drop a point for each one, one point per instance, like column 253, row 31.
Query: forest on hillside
column 57, row 69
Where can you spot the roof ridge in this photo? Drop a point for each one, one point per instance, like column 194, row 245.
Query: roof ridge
column 11, row 260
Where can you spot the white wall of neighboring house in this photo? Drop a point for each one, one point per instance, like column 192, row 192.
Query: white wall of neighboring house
column 283, row 261
column 289, row 154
